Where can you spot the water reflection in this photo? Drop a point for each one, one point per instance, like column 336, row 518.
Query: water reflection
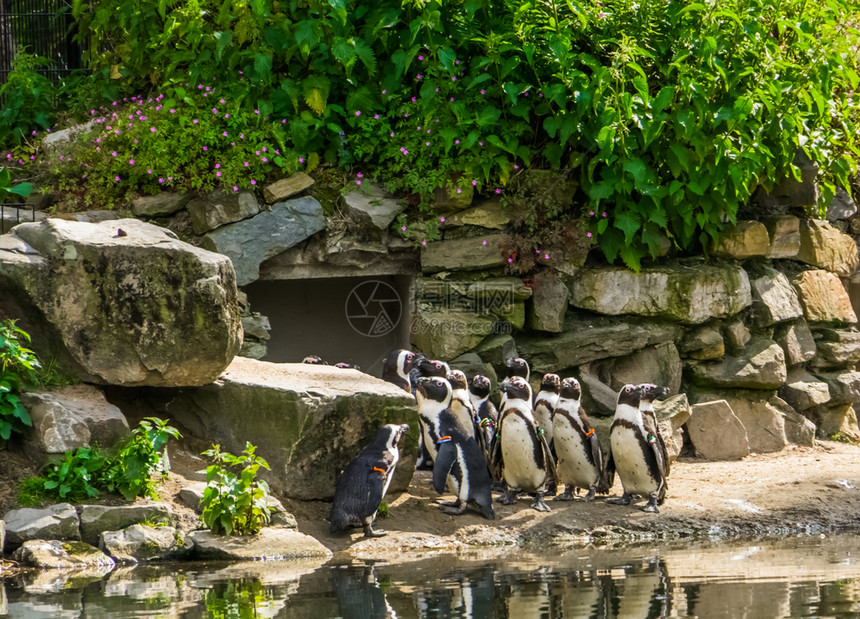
column 798, row 577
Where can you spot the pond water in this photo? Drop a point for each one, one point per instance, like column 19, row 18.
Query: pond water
column 815, row 576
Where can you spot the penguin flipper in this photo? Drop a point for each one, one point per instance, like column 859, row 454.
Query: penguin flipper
column 445, row 459
column 665, row 455
column 609, row 470
column 597, row 457
column 548, row 457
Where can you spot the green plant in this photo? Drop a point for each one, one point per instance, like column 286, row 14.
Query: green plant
column 28, row 99
column 16, row 363
column 235, row 503
column 22, row 190
column 132, row 471
column 31, row 492
column 76, row 476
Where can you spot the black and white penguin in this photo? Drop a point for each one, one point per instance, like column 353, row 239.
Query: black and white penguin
column 347, row 366
column 461, row 402
column 517, row 366
column 545, row 401
column 634, row 453
column 427, row 368
column 397, row 366
column 579, row 457
column 460, row 467
column 364, row 481
column 520, row 448
column 314, row 360
column 434, row 397
column 651, row 392
column 488, row 416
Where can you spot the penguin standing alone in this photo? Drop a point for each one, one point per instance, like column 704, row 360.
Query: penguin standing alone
column 364, row 482
column 520, row 449
column 634, row 453
column 580, row 458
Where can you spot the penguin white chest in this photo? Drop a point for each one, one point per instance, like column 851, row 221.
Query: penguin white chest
column 627, row 451
column 574, row 466
column 521, row 471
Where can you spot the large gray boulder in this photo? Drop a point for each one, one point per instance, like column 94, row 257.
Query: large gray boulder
column 703, row 343
column 825, row 246
column 658, row 364
column 835, row 421
column 685, row 294
column 716, row 432
column 784, row 231
column 836, row 348
column 672, row 415
column 797, row 342
column 251, row 241
column 774, row 298
column 759, row 413
column 98, row 518
column 308, row 421
column 269, row 544
column 844, row 387
column 160, row 205
column 482, row 252
column 219, row 207
column 549, row 303
column 798, row 429
column 745, row 239
column 585, row 340
column 121, row 302
column 802, row 390
column 760, row 366
column 57, row 554
column 145, row 543
column 74, row 416
column 372, row 207
column 58, row 521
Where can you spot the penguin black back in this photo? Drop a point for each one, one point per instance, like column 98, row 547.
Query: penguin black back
column 396, row 368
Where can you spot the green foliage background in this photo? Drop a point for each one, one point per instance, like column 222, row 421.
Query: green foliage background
column 668, row 115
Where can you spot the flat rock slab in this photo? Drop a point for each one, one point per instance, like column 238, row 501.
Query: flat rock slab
column 160, row 205
column 287, row 187
column 480, row 252
column 56, row 554
column 58, row 521
column 144, row 543
column 784, row 231
column 685, row 294
column 763, row 418
column 373, row 206
column 824, row 297
column 122, row 302
column 268, row 544
column 219, row 207
column 98, row 518
column 745, row 239
column 310, row 421
column 249, row 242
column 825, row 246
column 774, row 298
column 760, row 366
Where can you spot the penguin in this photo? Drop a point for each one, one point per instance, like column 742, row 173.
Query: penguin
column 578, row 452
column 460, row 466
column 426, row 368
column 347, row 366
column 545, row 403
column 520, row 448
column 396, row 368
column 364, row 481
column 651, row 392
column 434, row 397
column 461, row 403
column 517, row 366
column 488, row 416
column 634, row 453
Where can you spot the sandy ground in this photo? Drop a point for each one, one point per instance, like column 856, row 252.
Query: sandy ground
column 797, row 490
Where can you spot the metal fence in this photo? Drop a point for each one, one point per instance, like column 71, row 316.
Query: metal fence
column 42, row 28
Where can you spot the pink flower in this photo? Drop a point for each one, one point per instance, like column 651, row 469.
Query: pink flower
column 118, row 178
column 194, row 121
column 265, row 160
column 391, row 134
column 474, row 183
column 214, row 110
column 453, row 78
column 217, row 165
column 442, row 219
column 424, row 243
column 113, row 154
column 403, row 228
column 483, row 92
column 160, row 180
column 358, row 182
column 131, row 162
column 459, row 190
column 456, row 141
column 383, row 92
column 173, row 111
column 149, row 171
column 256, row 111
column 218, row 173
column 588, row 235
column 151, row 129
column 253, row 182
column 510, row 259
column 301, row 160
column 358, row 112
column 484, row 243
column 498, row 190
column 246, row 163
column 225, row 134
column 205, row 148
column 603, row 214
column 235, row 188
column 376, row 117
column 360, row 175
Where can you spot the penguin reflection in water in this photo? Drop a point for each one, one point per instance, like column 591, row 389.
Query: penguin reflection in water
column 459, row 462
column 521, row 449
column 634, row 453
column 365, row 480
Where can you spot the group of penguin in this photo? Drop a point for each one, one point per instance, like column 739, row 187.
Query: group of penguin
column 531, row 444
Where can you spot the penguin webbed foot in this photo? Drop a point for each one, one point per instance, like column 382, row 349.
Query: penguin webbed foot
column 369, row 532
column 590, row 496
column 624, row 499
column 651, row 507
column 441, row 503
column 539, row 504
column 454, row 508
column 567, row 495
column 509, row 497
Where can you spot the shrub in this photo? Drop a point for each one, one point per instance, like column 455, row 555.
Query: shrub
column 17, row 364
column 28, row 100
column 77, row 476
column 235, row 503
column 133, row 469
column 668, row 115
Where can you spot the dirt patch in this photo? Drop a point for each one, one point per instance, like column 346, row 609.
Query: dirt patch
column 799, row 489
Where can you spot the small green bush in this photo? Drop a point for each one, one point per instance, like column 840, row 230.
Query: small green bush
column 77, row 476
column 17, row 364
column 235, row 503
column 28, row 100
column 132, row 471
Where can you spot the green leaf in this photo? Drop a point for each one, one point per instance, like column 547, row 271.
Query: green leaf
column 628, row 222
